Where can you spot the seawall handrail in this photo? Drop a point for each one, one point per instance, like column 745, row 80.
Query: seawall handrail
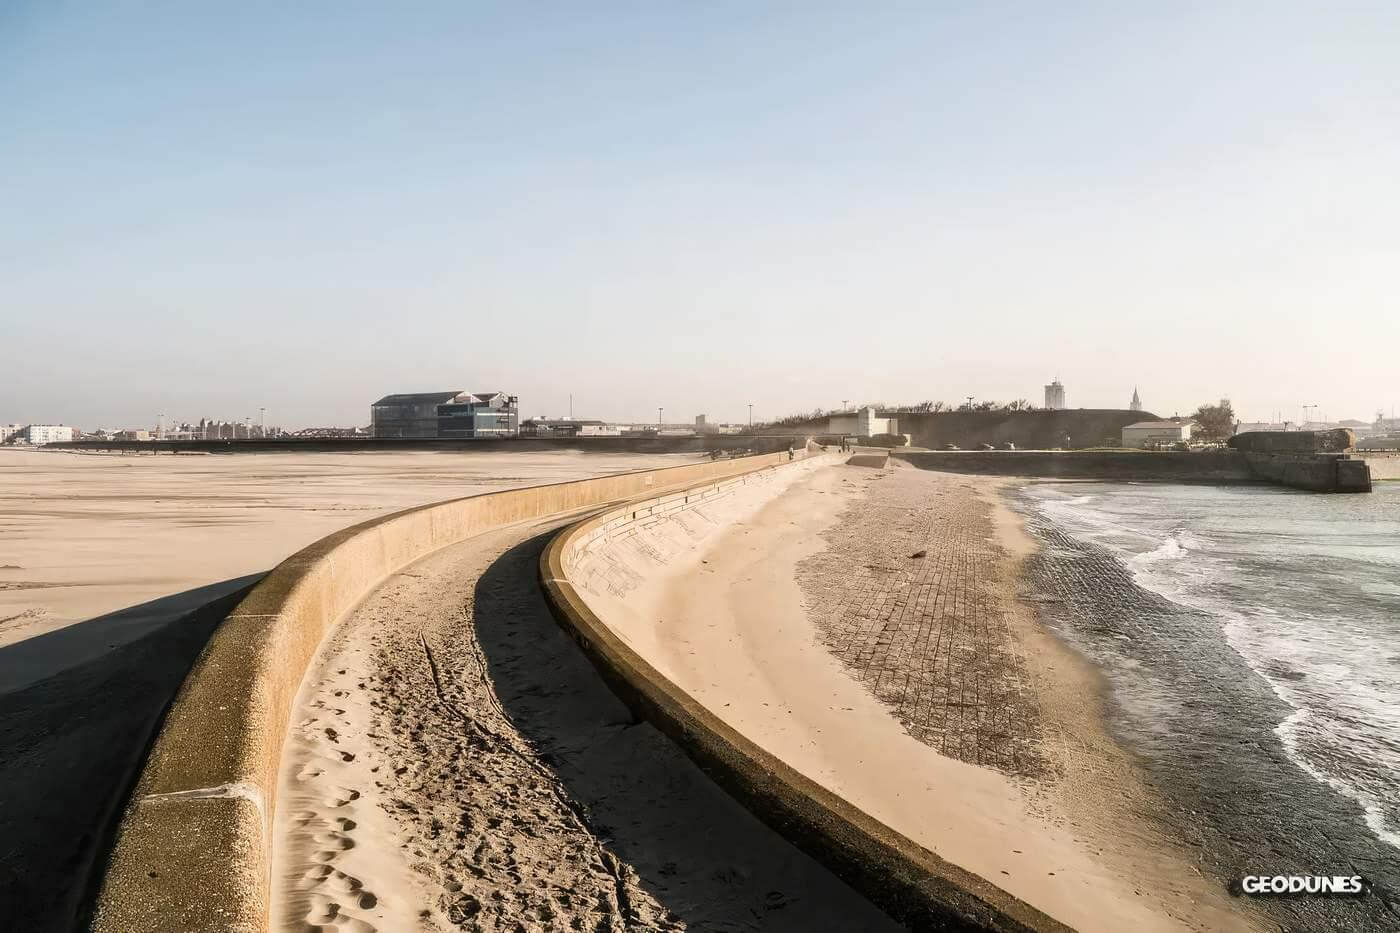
column 912, row 884
column 193, row 848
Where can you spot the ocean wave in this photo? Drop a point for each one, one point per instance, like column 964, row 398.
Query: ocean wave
column 1291, row 732
column 1331, row 667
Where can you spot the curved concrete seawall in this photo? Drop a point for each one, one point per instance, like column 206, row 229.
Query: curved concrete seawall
column 908, row 881
column 193, row 849
column 1217, row 466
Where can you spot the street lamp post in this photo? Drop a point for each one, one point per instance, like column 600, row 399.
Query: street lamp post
column 659, row 410
column 750, row 417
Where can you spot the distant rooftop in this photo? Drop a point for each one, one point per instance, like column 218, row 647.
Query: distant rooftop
column 1158, row 424
column 418, row 398
column 560, row 422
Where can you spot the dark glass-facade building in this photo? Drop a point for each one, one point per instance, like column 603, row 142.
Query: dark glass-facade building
column 446, row 414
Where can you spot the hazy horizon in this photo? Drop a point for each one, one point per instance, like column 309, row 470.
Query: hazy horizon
column 695, row 208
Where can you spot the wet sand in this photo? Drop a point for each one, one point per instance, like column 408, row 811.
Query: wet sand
column 919, row 687
column 455, row 762
column 1209, row 732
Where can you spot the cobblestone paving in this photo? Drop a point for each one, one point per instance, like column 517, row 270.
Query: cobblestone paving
column 927, row 635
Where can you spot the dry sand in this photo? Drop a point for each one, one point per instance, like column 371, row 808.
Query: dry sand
column 919, row 688
column 85, row 675
column 456, row 763
column 84, row 534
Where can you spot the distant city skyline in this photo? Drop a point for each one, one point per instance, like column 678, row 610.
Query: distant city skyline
column 304, row 206
column 1304, row 414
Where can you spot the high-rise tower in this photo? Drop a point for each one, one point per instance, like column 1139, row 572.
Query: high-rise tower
column 1055, row 395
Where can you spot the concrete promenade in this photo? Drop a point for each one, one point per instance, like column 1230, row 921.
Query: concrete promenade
column 115, row 569
column 194, row 846
column 455, row 762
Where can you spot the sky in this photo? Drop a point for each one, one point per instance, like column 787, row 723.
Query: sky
column 211, row 208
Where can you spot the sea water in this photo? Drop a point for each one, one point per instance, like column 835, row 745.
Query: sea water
column 1305, row 588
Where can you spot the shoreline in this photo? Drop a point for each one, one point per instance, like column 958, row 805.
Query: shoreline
column 1105, row 786
column 1202, row 722
column 720, row 611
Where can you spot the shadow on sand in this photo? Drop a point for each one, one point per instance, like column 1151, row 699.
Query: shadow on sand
column 79, row 708
column 709, row 861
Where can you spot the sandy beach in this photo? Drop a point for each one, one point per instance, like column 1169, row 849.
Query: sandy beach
column 872, row 628
column 114, row 569
column 82, row 534
column 455, row 762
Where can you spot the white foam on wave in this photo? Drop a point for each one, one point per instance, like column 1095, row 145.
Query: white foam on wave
column 1333, row 659
column 1173, row 548
column 1289, row 732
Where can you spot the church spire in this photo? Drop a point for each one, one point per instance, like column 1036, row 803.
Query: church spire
column 1136, row 403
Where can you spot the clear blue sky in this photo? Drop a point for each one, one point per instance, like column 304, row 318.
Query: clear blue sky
column 206, row 208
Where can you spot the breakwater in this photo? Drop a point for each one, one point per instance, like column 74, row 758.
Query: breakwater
column 1319, row 472
column 1313, row 472
column 1318, row 461
column 1212, row 466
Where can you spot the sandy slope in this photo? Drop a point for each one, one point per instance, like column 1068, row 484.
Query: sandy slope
column 456, row 763
column 873, row 679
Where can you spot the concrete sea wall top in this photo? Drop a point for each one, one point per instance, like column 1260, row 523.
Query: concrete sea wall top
column 193, row 849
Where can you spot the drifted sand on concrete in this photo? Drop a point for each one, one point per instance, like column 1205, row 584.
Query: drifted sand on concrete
column 85, row 675
column 84, row 534
column 713, row 599
column 455, row 762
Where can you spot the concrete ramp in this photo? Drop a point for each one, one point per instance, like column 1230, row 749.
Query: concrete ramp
column 870, row 457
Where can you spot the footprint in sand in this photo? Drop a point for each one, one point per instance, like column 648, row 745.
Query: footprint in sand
column 340, row 796
column 309, row 772
column 348, row 925
column 352, row 889
column 334, row 840
column 323, row 911
column 316, row 874
column 346, row 884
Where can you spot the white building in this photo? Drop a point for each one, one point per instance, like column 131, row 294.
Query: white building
column 570, row 427
column 10, row 432
column 1055, row 395
column 862, row 423
column 1147, row 434
column 47, row 434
